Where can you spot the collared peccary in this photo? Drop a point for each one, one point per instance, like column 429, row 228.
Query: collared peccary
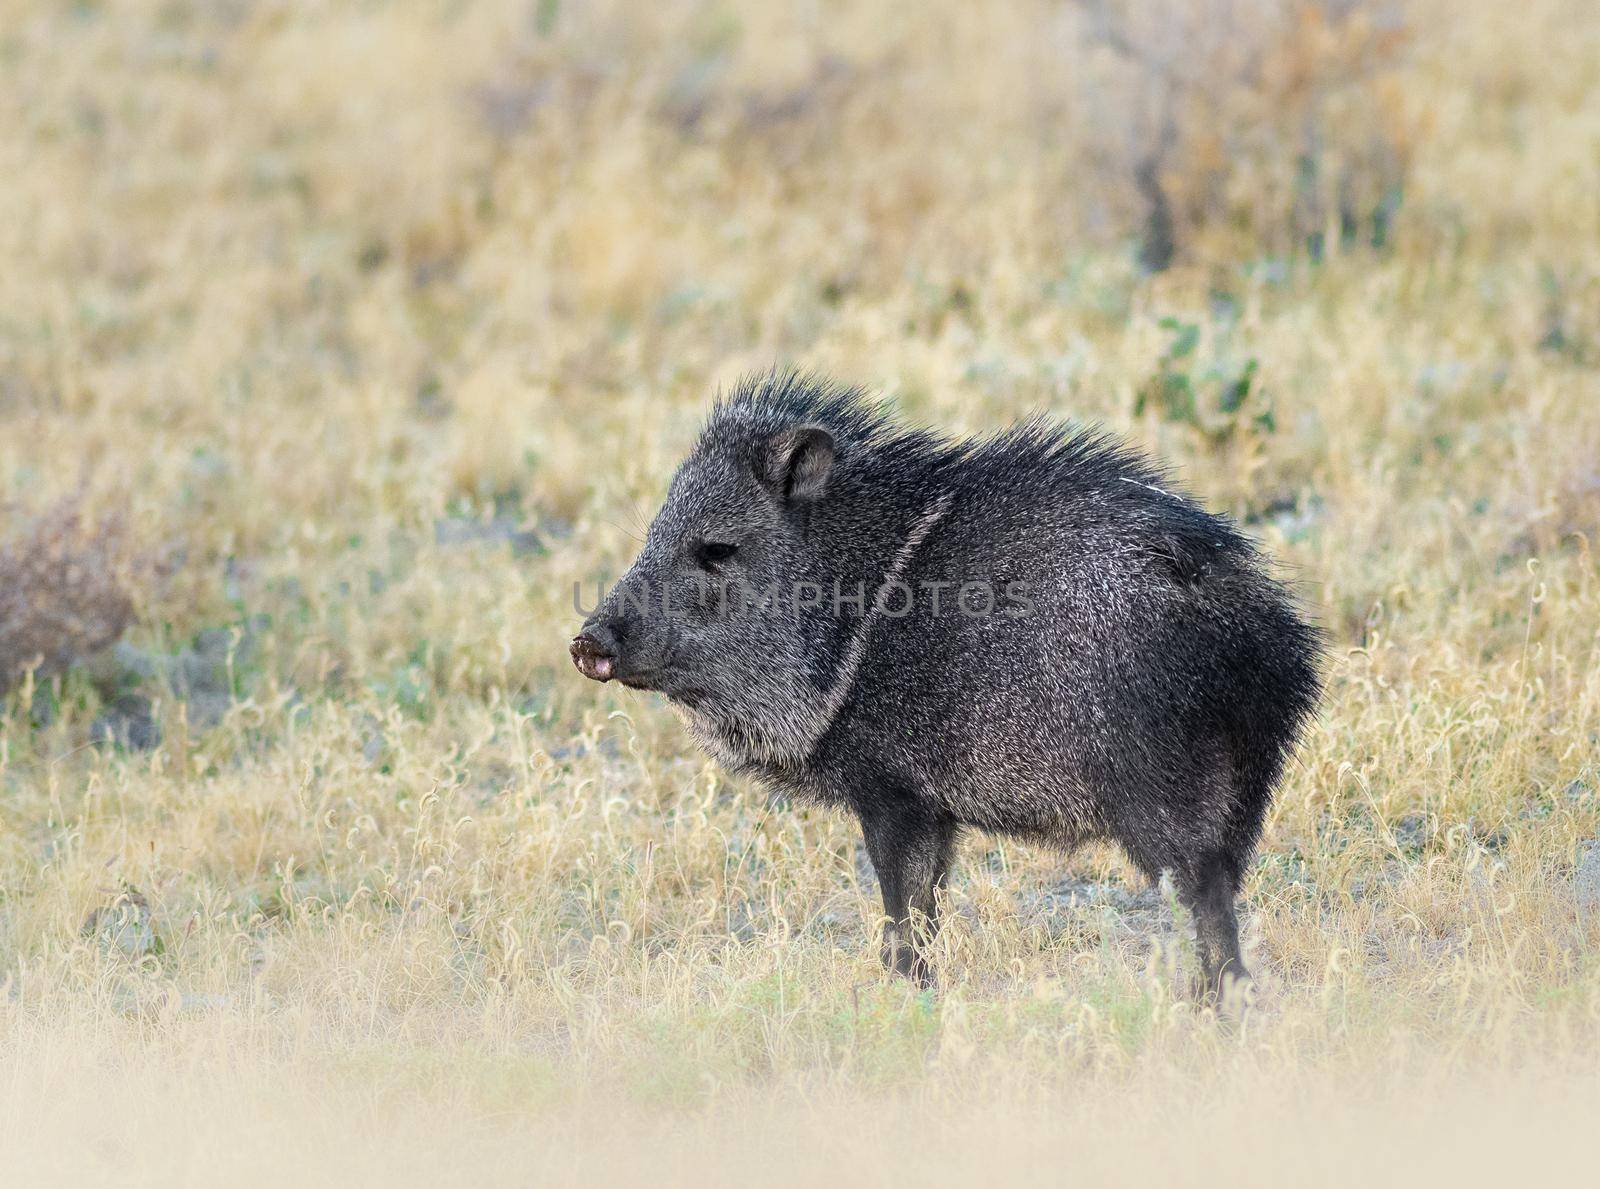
column 1031, row 633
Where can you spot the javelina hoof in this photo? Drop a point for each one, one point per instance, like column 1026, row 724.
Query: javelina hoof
column 1230, row 994
column 902, row 959
column 1232, row 999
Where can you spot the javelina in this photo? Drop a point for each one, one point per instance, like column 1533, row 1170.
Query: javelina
column 1032, row 633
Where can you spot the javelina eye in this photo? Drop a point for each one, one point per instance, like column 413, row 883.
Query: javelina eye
column 712, row 553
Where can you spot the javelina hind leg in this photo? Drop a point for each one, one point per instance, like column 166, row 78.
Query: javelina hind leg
column 1209, row 894
column 911, row 853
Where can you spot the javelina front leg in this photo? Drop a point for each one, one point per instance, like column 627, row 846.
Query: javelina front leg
column 910, row 852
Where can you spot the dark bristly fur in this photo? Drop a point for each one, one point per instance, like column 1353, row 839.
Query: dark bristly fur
column 1151, row 698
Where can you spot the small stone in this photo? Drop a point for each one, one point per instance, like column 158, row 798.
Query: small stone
column 206, row 708
column 125, row 925
column 1411, row 832
column 127, row 723
column 1586, row 879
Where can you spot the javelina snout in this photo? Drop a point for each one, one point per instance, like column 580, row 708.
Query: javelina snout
column 613, row 647
column 622, row 640
column 1149, row 695
column 595, row 659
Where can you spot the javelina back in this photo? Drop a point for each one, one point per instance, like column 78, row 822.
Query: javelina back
column 1032, row 633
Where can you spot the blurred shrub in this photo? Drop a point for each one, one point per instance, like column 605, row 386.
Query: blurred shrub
column 1216, row 399
column 66, row 586
column 646, row 155
column 1279, row 124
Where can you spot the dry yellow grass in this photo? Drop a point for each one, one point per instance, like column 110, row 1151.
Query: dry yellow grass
column 330, row 300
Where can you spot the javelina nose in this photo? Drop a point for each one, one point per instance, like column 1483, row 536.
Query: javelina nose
column 594, row 651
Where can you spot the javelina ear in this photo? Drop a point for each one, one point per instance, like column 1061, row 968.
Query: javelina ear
column 798, row 462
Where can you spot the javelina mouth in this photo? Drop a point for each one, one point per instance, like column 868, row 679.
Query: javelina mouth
column 591, row 660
